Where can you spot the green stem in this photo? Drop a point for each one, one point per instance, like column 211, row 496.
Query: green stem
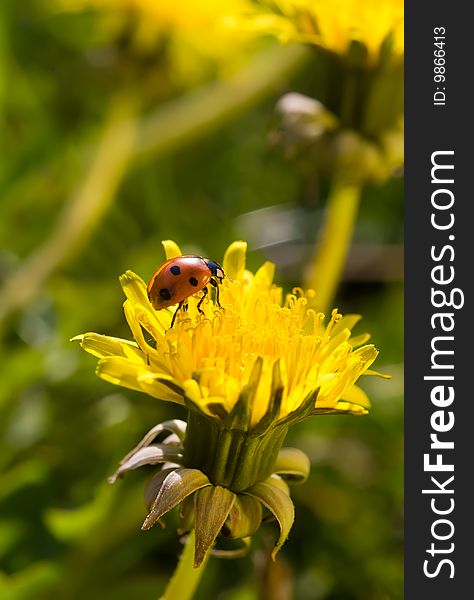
column 336, row 235
column 349, row 99
column 186, row 578
column 184, row 119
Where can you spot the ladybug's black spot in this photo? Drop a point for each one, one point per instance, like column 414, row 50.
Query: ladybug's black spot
column 193, row 281
column 175, row 270
column 165, row 294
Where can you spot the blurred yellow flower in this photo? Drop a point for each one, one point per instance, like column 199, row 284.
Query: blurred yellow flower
column 192, row 31
column 332, row 24
column 164, row 15
column 207, row 360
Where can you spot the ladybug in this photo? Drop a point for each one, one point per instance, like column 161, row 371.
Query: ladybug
column 180, row 277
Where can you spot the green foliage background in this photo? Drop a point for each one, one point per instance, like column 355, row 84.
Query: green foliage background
column 64, row 532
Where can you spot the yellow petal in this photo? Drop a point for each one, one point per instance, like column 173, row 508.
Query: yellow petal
column 264, row 276
column 347, row 322
column 104, row 345
column 356, row 395
column 172, row 250
column 139, row 311
column 136, row 328
column 122, row 371
column 378, row 374
column 156, row 322
column 359, row 340
column 170, row 383
column 192, row 391
column 366, row 354
column 234, row 261
column 134, row 288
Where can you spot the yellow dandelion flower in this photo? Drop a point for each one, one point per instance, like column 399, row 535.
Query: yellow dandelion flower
column 193, row 31
column 206, row 360
column 245, row 372
column 332, row 24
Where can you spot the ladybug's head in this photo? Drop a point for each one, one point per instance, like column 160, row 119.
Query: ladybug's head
column 215, row 268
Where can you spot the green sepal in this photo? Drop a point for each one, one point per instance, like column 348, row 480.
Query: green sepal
column 179, row 484
column 217, row 410
column 149, row 455
column 212, row 506
column 234, row 553
column 153, row 487
column 244, row 518
column 278, row 482
column 279, row 503
column 293, row 465
column 186, row 515
column 232, row 458
column 175, row 426
column 305, row 410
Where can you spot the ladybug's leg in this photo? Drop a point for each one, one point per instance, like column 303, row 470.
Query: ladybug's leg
column 215, row 284
column 176, row 313
column 204, row 294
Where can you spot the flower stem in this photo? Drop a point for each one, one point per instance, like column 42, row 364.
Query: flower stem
column 336, row 234
column 186, row 578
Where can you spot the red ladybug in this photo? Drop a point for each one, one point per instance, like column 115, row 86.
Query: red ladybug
column 178, row 278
